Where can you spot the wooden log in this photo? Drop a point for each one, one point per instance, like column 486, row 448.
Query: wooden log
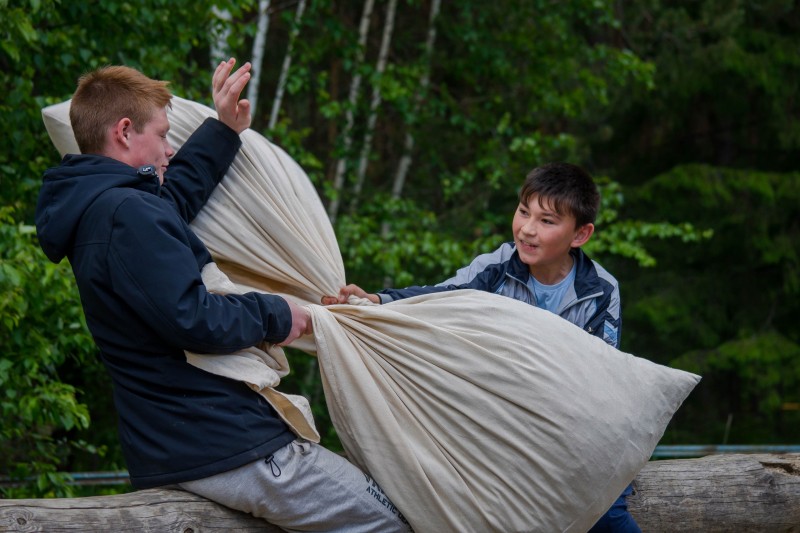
column 156, row 510
column 719, row 493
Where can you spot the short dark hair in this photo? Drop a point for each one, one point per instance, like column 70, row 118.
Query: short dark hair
column 568, row 188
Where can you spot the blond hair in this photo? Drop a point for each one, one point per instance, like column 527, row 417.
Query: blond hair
column 109, row 94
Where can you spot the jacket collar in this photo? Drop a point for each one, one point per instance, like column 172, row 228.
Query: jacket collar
column 587, row 282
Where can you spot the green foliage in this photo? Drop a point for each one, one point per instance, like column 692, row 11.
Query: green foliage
column 742, row 280
column 629, row 238
column 713, row 144
column 411, row 250
column 48, row 44
column 291, row 140
column 750, row 210
column 728, row 305
column 761, row 375
column 508, row 99
column 42, row 327
column 726, row 79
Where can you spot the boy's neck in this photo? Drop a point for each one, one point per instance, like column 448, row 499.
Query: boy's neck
column 552, row 274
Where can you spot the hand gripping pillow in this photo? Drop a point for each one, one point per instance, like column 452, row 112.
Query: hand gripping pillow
column 519, row 423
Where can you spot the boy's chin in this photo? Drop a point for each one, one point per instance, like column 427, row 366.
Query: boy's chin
column 526, row 256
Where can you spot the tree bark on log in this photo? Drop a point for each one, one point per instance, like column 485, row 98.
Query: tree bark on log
column 718, row 493
column 156, row 510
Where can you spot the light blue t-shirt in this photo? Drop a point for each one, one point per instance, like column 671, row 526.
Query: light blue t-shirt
column 549, row 297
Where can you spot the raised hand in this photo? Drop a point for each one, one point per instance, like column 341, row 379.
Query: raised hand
column 226, row 89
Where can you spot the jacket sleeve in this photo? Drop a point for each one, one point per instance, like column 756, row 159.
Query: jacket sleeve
column 606, row 322
column 485, row 280
column 612, row 323
column 199, row 166
column 154, row 268
column 390, row 295
column 466, row 274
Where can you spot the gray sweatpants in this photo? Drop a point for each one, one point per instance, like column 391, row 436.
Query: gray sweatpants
column 305, row 487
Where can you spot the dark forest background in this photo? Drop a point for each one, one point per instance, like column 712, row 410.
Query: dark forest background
column 417, row 121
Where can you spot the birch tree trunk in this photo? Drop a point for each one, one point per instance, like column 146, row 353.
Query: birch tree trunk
column 408, row 143
column 355, row 88
column 287, row 63
column 219, row 37
column 341, row 164
column 375, row 102
column 257, row 56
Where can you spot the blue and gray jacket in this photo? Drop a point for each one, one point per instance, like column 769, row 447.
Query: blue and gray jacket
column 592, row 303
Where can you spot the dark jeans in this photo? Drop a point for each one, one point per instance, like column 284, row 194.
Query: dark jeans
column 617, row 519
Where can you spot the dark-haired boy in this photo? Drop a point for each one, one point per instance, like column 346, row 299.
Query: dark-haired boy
column 544, row 266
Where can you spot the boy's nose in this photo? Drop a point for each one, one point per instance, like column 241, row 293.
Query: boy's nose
column 529, row 228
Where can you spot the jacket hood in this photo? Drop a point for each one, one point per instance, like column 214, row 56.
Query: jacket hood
column 70, row 188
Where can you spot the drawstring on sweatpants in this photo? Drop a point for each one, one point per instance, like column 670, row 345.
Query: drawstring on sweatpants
column 276, row 470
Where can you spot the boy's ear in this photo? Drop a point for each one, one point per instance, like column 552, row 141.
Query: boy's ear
column 118, row 140
column 120, row 132
column 582, row 235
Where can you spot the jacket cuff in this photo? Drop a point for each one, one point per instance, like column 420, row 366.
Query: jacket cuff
column 385, row 298
column 278, row 322
column 220, row 128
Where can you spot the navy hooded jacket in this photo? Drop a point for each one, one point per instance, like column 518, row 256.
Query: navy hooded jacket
column 137, row 265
